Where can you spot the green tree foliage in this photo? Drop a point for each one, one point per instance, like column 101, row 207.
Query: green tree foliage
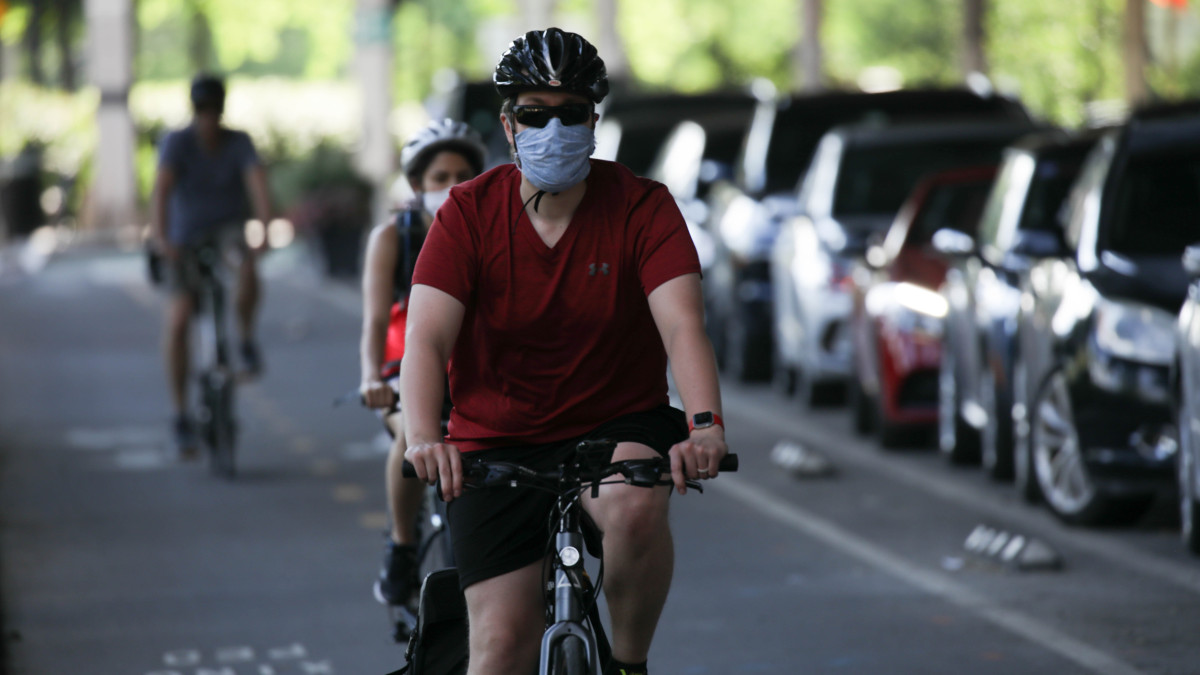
column 695, row 45
column 1061, row 56
column 919, row 38
column 314, row 37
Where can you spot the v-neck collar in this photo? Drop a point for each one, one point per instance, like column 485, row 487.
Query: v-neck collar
column 529, row 232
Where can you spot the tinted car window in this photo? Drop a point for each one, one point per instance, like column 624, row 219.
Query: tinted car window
column 1052, row 182
column 956, row 205
column 989, row 224
column 1156, row 209
column 878, row 179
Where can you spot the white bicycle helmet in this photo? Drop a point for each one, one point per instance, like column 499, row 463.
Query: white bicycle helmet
column 438, row 135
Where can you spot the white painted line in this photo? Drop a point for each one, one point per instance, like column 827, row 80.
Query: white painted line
column 862, row 454
column 1017, row 623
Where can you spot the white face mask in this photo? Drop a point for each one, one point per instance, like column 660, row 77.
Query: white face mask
column 432, row 201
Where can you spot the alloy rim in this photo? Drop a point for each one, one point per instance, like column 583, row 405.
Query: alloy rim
column 1057, row 457
column 946, row 402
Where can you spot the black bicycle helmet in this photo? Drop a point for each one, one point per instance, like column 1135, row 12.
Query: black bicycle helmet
column 208, row 93
column 551, row 60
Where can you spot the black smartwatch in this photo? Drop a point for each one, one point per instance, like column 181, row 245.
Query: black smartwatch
column 704, row 420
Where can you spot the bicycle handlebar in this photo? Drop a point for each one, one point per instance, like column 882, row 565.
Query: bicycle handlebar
column 479, row 473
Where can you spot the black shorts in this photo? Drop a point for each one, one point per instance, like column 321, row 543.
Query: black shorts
column 500, row 530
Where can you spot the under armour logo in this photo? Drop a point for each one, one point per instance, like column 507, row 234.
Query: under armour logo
column 592, row 269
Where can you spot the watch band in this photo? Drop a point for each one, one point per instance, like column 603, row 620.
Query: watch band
column 704, row 420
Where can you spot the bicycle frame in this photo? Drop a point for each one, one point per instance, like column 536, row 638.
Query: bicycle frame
column 568, row 587
column 216, row 376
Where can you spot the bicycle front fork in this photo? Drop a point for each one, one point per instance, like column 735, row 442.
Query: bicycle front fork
column 568, row 607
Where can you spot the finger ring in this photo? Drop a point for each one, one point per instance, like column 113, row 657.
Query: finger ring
column 702, row 471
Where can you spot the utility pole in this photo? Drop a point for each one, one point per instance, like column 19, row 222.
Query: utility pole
column 974, row 34
column 808, row 54
column 376, row 154
column 110, row 26
column 1136, row 91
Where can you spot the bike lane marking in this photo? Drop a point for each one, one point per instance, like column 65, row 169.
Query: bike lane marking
column 1015, row 622
column 860, row 454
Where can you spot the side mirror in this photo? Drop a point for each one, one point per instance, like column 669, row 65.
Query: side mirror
column 1038, row 244
column 1191, row 261
column 876, row 255
column 951, row 242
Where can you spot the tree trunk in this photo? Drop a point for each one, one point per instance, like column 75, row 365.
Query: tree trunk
column 974, row 34
column 612, row 50
column 33, row 43
column 1136, row 91
column 65, row 21
column 808, row 67
column 199, row 40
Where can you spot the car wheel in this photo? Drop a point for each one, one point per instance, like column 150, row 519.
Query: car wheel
column 1023, row 477
column 748, row 348
column 995, row 443
column 820, row 394
column 1062, row 472
column 783, row 376
column 1189, row 507
column 862, row 408
column 958, row 441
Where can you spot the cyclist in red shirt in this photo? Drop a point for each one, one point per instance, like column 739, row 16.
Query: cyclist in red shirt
column 441, row 155
column 557, row 287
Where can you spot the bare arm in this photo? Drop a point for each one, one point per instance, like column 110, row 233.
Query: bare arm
column 678, row 310
column 434, row 320
column 260, row 192
column 378, row 273
column 164, row 183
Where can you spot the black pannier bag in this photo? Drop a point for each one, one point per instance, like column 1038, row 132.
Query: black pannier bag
column 438, row 645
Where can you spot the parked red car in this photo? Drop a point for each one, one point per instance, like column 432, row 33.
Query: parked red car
column 896, row 324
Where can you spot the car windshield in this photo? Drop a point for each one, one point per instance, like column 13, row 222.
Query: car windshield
column 877, row 179
column 953, row 205
column 1156, row 209
column 1047, row 192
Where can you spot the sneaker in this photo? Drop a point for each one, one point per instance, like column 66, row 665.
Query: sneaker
column 397, row 582
column 251, row 358
column 184, row 434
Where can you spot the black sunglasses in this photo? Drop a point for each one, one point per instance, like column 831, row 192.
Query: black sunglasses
column 539, row 115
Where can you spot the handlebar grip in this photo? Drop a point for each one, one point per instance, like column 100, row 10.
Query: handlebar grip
column 408, row 470
column 728, row 463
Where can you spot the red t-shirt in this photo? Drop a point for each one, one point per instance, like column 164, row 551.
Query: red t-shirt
column 555, row 341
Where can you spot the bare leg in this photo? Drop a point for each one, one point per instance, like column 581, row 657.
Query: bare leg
column 248, row 293
column 404, row 494
column 506, row 619
column 176, row 349
column 639, row 557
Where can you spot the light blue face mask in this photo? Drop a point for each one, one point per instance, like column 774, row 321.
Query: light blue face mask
column 555, row 157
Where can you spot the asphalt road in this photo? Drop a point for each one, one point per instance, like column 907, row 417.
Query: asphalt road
column 119, row 559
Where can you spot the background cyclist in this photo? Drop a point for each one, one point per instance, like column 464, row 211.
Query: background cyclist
column 208, row 178
column 439, row 156
column 557, row 287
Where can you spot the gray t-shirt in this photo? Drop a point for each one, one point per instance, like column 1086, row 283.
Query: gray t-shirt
column 210, row 188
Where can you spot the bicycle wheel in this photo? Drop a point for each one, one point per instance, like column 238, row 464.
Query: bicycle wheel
column 222, row 431
column 569, row 657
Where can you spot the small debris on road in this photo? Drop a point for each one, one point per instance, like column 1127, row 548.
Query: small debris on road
column 800, row 461
column 1016, row 550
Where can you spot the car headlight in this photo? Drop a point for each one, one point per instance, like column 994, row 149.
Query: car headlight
column 908, row 307
column 1135, row 332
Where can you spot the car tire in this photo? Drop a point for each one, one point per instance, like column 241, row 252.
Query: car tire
column 862, row 407
column 995, row 442
column 1189, row 501
column 1023, row 477
column 748, row 346
column 1058, row 462
column 820, row 394
column 958, row 442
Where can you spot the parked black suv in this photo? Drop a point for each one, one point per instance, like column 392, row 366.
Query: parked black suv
column 1094, row 428
column 746, row 211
